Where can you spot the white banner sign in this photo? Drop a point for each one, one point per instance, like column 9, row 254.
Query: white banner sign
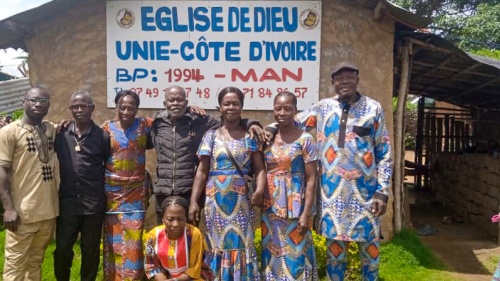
column 261, row 47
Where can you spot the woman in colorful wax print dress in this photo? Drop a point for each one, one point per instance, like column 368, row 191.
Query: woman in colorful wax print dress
column 228, row 206
column 174, row 250
column 126, row 190
column 287, row 244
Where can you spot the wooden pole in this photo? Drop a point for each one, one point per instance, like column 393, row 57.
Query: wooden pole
column 399, row 139
column 452, row 134
column 447, row 133
column 439, row 141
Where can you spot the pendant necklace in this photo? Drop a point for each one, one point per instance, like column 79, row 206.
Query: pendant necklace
column 78, row 146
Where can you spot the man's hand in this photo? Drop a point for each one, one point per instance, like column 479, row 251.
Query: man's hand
column 257, row 132
column 378, row 207
column 62, row 125
column 194, row 213
column 11, row 219
column 197, row 110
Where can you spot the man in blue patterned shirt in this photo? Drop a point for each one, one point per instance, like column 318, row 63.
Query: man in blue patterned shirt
column 356, row 167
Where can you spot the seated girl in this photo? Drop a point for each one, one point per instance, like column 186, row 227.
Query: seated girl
column 174, row 251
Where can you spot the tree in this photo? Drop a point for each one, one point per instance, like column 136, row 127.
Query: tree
column 474, row 25
column 23, row 66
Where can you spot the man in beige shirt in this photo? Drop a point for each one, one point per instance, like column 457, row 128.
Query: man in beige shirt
column 28, row 189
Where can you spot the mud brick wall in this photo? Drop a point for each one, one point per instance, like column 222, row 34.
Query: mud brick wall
column 469, row 185
column 68, row 53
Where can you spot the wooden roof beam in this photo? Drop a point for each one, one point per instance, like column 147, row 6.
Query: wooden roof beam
column 428, row 45
column 491, row 81
column 455, row 69
column 497, row 99
column 436, row 67
column 452, row 76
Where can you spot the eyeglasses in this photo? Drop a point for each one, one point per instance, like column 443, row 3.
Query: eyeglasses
column 34, row 101
column 127, row 108
column 82, row 106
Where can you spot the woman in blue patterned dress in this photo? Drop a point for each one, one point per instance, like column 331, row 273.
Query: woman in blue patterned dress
column 287, row 244
column 228, row 206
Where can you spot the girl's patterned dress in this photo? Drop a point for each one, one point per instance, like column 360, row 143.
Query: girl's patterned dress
column 287, row 255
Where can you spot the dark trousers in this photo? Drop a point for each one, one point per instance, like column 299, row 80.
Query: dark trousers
column 67, row 229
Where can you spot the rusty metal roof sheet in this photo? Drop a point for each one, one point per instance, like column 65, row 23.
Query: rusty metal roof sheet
column 442, row 71
column 14, row 29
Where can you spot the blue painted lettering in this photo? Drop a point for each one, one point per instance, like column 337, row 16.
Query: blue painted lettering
column 146, row 19
column 146, row 50
column 122, row 74
column 284, row 51
column 217, row 19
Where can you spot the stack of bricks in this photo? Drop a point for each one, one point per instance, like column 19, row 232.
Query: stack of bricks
column 469, row 185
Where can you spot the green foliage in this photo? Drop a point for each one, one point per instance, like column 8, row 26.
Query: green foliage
column 404, row 258
column 409, row 106
column 319, row 249
column 471, row 24
column 411, row 117
column 494, row 54
column 410, row 141
column 18, row 114
column 353, row 263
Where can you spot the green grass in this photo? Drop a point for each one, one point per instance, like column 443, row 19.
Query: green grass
column 491, row 264
column 404, row 258
column 48, row 262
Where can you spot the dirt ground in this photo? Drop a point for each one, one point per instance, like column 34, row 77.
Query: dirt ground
column 467, row 252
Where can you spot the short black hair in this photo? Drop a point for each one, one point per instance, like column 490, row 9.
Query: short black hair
column 124, row 93
column 174, row 200
column 228, row 90
column 287, row 94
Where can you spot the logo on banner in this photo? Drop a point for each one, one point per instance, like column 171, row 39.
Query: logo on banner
column 125, row 18
column 309, row 19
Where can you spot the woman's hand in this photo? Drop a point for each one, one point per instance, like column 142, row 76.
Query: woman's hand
column 269, row 137
column 194, row 213
column 256, row 199
column 303, row 225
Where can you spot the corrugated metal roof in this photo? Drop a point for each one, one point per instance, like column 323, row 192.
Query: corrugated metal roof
column 14, row 29
column 442, row 71
column 5, row 76
column 398, row 13
column 11, row 93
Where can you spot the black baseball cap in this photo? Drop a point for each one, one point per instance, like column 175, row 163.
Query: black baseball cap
column 344, row 65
